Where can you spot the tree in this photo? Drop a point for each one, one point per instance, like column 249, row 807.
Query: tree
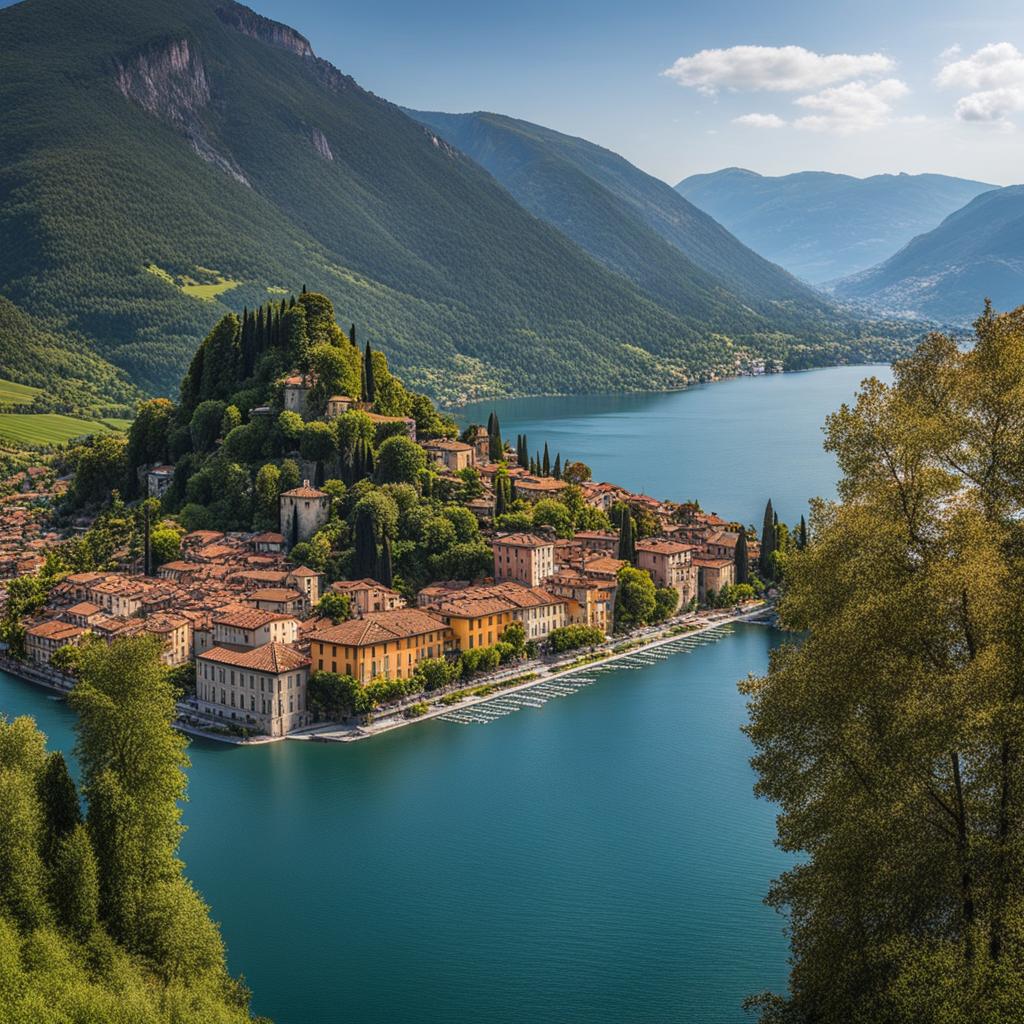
column 148, row 438
column 76, row 888
column 556, row 470
column 101, row 467
column 267, row 497
column 364, row 560
column 317, row 446
column 545, row 466
column 767, row 541
column 801, row 537
column 434, row 674
column 496, row 447
column 400, row 460
column 206, row 423
column 514, row 634
column 890, row 738
column 58, row 800
column 554, row 513
column 666, row 602
column 742, row 558
column 334, row 606
column 369, row 384
column 570, row 638
column 627, row 547
column 636, row 601
column 576, row 473
column 385, row 573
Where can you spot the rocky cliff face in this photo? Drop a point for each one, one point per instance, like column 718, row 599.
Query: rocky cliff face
column 169, row 81
column 248, row 22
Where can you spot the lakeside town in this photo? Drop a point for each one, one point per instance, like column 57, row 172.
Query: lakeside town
column 271, row 632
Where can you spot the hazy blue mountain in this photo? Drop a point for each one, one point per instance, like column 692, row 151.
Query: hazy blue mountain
column 823, row 226
column 945, row 274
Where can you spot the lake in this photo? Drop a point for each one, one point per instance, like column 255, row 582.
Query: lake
column 731, row 445
column 598, row 859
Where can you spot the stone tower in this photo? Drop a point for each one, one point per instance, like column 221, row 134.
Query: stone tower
column 303, row 511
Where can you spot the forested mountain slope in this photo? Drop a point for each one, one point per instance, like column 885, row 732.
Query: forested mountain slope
column 974, row 254
column 161, row 160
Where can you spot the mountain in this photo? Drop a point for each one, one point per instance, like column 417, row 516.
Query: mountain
column 163, row 161
column 946, row 274
column 823, row 226
column 633, row 223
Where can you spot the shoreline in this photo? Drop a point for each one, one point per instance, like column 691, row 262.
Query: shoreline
column 333, row 733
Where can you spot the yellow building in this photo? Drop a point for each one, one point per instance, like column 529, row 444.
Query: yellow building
column 476, row 621
column 382, row 644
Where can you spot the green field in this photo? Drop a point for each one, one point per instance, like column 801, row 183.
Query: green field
column 17, row 394
column 48, row 428
column 207, row 290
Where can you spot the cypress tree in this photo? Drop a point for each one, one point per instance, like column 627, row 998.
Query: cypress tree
column 801, row 537
column 556, row 472
column 500, row 504
column 627, row 546
column 546, row 463
column 59, row 801
column 496, row 448
column 294, row 531
column 76, row 884
column 368, row 382
column 352, row 335
column 364, row 561
column 303, row 289
column 385, row 575
column 742, row 558
column 767, row 540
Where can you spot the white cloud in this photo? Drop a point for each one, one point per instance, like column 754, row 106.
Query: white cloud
column 950, row 52
column 759, row 120
column 995, row 76
column 772, row 68
column 850, row 108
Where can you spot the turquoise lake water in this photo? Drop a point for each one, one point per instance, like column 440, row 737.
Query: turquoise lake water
column 731, row 445
column 598, row 859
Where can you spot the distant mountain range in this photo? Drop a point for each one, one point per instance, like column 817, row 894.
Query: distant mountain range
column 162, row 161
column 975, row 253
column 822, row 226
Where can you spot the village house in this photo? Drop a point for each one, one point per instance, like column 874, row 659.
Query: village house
column 282, row 600
column 590, row 602
column 477, row 614
column 252, row 627
column 453, row 455
column 523, row 557
column 158, row 479
column 387, row 644
column 367, row 596
column 84, row 614
column 598, row 542
column 263, row 688
column 303, row 511
column 269, row 543
column 295, row 392
column 336, row 405
column 670, row 565
column 533, row 488
column 713, row 574
column 175, row 631
column 481, row 442
column 45, row 638
column 309, row 581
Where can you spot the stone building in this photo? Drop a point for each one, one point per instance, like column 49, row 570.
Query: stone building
column 262, row 688
column 303, row 511
column 453, row 455
column 523, row 557
column 670, row 565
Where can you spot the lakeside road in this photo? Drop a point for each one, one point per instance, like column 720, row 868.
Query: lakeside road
column 653, row 638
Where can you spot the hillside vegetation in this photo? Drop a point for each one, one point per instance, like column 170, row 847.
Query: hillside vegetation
column 974, row 254
column 822, row 226
column 164, row 160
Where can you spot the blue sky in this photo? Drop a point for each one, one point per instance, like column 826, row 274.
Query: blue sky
column 595, row 70
column 874, row 86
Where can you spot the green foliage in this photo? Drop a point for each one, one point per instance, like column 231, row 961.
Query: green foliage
column 636, row 602
column 569, row 638
column 334, row 605
column 465, row 289
column 889, row 738
column 666, row 602
column 400, row 460
column 58, row 959
column 100, row 467
column 435, row 673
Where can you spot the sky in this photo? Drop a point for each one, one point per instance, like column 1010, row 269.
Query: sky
column 686, row 87
column 860, row 88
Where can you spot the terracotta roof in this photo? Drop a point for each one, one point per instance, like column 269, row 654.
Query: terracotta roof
column 713, row 563
column 55, row 630
column 442, row 444
column 351, row 586
column 247, row 618
column 305, row 491
column 279, row 594
column 268, row 537
column 84, row 608
column 303, row 570
column 664, row 547
column 380, row 627
column 275, row 658
column 523, row 540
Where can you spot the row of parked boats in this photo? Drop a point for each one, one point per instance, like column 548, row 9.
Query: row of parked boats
column 538, row 694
